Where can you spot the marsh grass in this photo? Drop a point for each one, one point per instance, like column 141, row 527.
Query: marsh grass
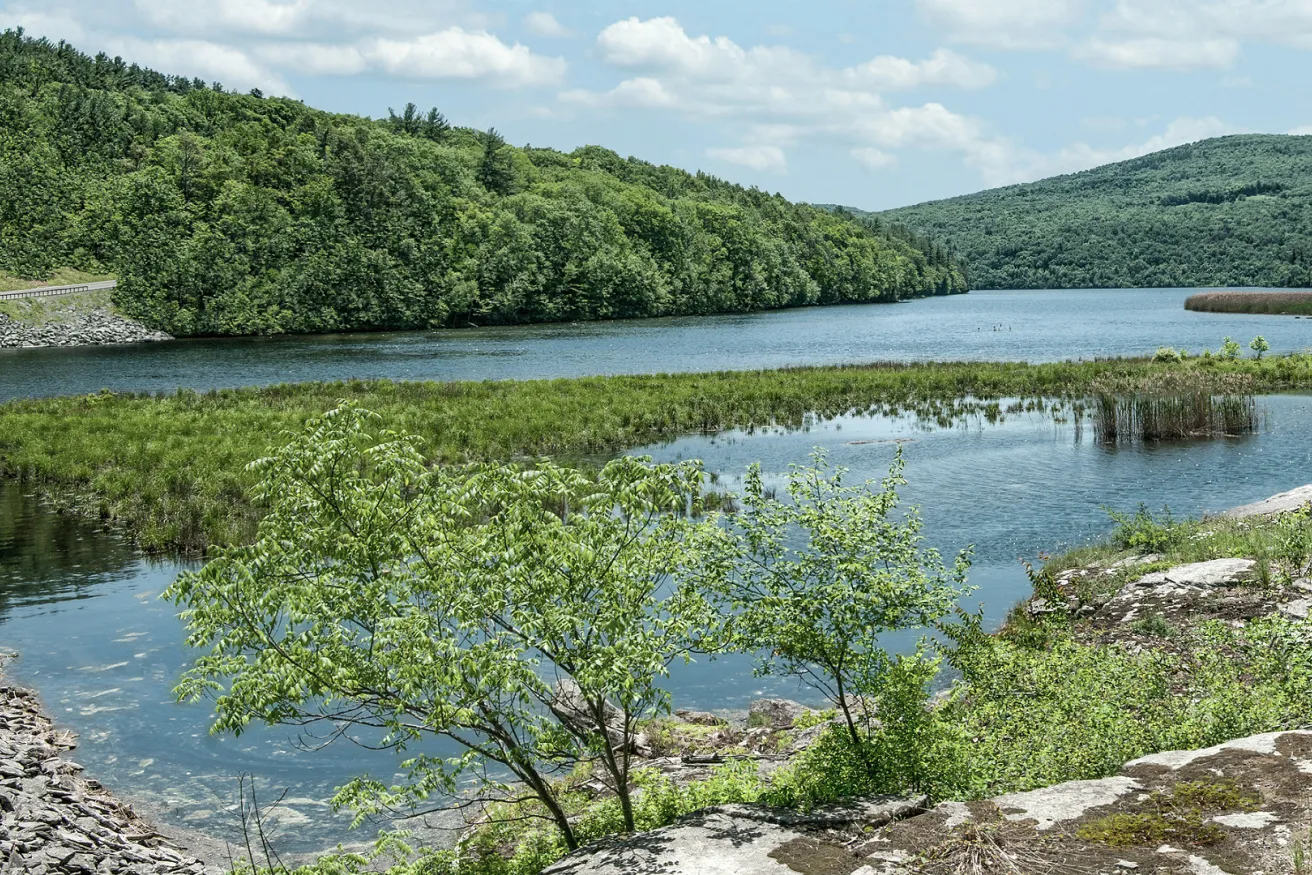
column 1174, row 406
column 171, row 470
column 1269, row 303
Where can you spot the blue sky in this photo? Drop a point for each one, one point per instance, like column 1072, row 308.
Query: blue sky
column 874, row 104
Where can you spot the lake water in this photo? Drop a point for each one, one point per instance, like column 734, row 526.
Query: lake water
column 83, row 610
column 1031, row 326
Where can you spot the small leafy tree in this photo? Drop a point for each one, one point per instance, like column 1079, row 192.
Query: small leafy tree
column 523, row 614
column 1259, row 345
column 1230, row 349
column 812, row 582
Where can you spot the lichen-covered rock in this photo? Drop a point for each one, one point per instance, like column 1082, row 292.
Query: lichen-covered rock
column 1240, row 808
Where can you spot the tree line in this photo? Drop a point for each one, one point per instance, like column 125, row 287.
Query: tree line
column 228, row 213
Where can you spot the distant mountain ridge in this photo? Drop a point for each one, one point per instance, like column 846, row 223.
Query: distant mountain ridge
column 1229, row 211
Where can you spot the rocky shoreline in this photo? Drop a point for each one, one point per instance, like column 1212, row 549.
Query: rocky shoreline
column 53, row 821
column 96, row 327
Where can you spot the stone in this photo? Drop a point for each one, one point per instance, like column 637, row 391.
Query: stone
column 741, row 840
column 1285, row 502
column 1299, row 609
column 778, row 713
column 1064, row 802
column 701, row 718
column 1214, row 573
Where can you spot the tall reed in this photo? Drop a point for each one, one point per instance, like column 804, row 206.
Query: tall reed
column 1271, row 303
column 1174, row 406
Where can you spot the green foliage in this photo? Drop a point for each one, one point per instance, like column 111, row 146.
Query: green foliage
column 1068, row 711
column 438, row 602
column 815, row 610
column 226, row 213
column 1259, row 345
column 1143, row 532
column 1230, row 211
column 1230, row 349
column 1167, row 354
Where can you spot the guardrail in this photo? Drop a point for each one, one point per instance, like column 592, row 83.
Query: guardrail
column 52, row 291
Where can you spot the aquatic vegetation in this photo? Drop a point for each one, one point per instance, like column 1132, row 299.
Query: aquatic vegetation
column 1275, row 303
column 171, row 471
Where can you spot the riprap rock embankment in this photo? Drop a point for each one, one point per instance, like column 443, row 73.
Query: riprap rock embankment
column 91, row 328
column 55, row 822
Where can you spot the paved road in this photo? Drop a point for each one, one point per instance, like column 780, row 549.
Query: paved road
column 51, row 291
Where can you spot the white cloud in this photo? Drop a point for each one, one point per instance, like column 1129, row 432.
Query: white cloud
column 545, row 24
column 944, row 67
column 245, row 16
column 776, row 96
column 207, row 60
column 1157, row 52
column 770, row 159
column 640, row 92
column 456, row 53
column 875, row 159
column 1013, row 24
column 315, row 58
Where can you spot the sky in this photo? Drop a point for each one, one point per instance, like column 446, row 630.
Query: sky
column 872, row 104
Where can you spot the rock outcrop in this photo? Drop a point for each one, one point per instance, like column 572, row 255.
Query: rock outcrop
column 1285, row 502
column 1240, row 808
column 90, row 328
column 55, row 822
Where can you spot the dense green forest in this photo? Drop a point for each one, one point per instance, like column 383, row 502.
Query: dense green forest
column 1231, row 211
column 227, row 213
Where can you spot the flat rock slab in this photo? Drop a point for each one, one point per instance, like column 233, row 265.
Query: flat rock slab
column 1183, row 592
column 1285, row 502
column 1217, row 572
column 743, row 840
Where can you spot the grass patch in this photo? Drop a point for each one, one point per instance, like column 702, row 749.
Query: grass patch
column 1269, row 303
column 43, row 311
column 171, row 469
column 61, row 276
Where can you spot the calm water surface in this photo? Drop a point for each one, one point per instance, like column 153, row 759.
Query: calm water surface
column 83, row 609
column 1031, row 326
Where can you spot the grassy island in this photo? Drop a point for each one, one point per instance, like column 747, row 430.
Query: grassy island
column 171, row 469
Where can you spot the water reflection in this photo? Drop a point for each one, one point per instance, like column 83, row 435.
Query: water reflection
column 83, row 609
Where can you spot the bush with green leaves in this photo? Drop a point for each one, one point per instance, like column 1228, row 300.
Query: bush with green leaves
column 1143, row 532
column 810, row 582
column 523, row 614
column 1259, row 345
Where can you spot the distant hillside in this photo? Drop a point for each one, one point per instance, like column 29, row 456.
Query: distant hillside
column 226, row 213
column 1232, row 211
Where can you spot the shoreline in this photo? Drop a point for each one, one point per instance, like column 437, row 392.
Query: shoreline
column 56, row 821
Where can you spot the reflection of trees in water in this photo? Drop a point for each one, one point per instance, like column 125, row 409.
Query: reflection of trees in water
column 47, row 556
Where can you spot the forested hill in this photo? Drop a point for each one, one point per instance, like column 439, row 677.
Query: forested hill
column 1232, row 211
column 226, row 213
